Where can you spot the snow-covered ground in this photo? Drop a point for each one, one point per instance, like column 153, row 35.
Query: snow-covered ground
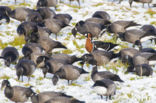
column 135, row 89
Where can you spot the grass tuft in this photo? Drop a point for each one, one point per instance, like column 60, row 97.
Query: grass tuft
column 18, row 41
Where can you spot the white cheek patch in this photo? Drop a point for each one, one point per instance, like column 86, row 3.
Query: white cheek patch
column 147, row 38
column 100, row 90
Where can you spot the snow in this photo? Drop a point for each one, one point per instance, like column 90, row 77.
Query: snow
column 135, row 89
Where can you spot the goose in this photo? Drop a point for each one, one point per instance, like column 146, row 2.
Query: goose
column 27, row 29
column 30, row 48
column 57, row 61
column 52, row 66
column 94, row 45
column 105, row 87
column 64, row 100
column 45, row 96
column 20, row 13
column 65, row 18
column 95, row 75
column 120, row 26
column 68, row 72
column 101, row 14
column 144, row 58
column 99, row 57
column 39, row 59
column 10, row 55
column 55, row 25
column 69, row 59
column 52, row 44
column 143, row 70
column 35, row 17
column 47, row 3
column 100, row 21
column 25, row 68
column 16, row 93
column 84, row 27
column 141, row 1
column 4, row 13
column 136, row 36
column 46, row 12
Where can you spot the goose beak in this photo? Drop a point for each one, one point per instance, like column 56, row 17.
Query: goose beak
column 121, row 81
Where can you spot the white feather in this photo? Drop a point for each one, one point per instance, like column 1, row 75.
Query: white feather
column 100, row 90
column 147, row 38
column 152, row 62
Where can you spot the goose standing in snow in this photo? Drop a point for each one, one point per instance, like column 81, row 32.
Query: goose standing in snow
column 68, row 72
column 10, row 55
column 25, row 68
column 95, row 75
column 16, row 93
column 105, row 87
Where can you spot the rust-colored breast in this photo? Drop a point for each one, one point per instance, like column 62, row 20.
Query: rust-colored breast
column 89, row 45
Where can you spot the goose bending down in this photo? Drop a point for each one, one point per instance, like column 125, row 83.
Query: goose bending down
column 57, row 61
column 55, row 25
column 52, row 66
column 84, row 27
column 4, row 13
column 16, row 93
column 144, row 58
column 64, row 100
column 30, row 48
column 25, row 68
column 68, row 72
column 105, row 87
column 94, row 45
column 95, row 75
column 127, row 54
column 120, row 26
column 136, row 36
column 45, row 96
column 52, row 44
column 99, row 57
column 143, row 70
column 10, row 55
column 35, row 17
column 39, row 59
column 68, row 59
column 28, row 29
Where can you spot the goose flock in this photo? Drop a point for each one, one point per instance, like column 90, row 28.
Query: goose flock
column 41, row 27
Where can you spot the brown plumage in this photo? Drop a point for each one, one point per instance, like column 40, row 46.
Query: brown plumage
column 16, row 93
column 89, row 46
column 52, row 44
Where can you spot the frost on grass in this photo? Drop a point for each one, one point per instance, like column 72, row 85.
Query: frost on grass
column 135, row 89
